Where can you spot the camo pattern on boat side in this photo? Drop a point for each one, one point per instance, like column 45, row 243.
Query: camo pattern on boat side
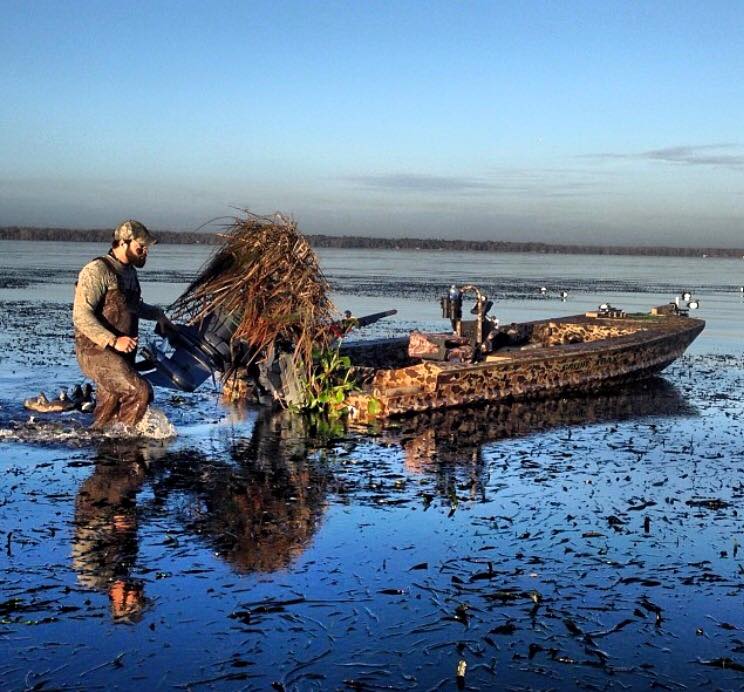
column 647, row 347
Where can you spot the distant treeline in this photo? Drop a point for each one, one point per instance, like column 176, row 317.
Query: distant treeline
column 357, row 242
column 99, row 235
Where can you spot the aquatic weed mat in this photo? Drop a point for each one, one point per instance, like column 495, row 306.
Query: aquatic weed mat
column 35, row 335
column 582, row 552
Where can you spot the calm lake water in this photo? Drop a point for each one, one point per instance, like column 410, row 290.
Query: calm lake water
column 590, row 542
column 412, row 281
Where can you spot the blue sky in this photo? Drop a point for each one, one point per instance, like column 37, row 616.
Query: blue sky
column 587, row 121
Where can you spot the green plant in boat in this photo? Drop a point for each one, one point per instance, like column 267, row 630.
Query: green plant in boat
column 331, row 380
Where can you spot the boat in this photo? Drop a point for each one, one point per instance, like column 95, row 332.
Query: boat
column 476, row 362
column 480, row 361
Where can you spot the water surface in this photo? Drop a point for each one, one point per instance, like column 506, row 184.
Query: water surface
column 590, row 542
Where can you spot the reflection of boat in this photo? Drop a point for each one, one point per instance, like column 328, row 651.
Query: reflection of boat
column 480, row 362
column 450, row 436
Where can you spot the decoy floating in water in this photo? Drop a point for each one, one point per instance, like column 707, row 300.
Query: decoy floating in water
column 81, row 399
column 42, row 404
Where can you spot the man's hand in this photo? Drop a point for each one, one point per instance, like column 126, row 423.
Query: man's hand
column 125, row 344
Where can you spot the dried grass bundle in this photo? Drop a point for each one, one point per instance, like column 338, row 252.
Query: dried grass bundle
column 267, row 276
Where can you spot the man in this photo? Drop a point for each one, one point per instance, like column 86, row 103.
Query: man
column 106, row 312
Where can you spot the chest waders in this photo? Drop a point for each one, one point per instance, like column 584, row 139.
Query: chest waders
column 121, row 394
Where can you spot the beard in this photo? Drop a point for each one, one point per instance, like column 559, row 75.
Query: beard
column 136, row 260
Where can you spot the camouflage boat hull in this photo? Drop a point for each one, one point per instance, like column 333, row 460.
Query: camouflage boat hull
column 566, row 355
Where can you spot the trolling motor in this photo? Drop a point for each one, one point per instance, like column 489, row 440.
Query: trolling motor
column 452, row 306
column 481, row 330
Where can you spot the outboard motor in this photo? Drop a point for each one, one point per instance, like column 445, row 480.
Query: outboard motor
column 200, row 351
column 206, row 349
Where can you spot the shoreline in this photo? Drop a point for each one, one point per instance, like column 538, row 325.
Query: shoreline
column 37, row 234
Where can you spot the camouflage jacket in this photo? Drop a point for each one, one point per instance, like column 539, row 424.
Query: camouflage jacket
column 95, row 279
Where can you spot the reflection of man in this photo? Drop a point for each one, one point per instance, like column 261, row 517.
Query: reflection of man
column 261, row 512
column 105, row 544
column 106, row 312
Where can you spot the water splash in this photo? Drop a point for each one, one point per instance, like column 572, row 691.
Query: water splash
column 155, row 425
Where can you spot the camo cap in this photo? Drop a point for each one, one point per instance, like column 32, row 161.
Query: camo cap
column 134, row 230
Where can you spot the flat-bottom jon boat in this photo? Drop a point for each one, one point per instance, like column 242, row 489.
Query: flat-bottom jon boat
column 482, row 362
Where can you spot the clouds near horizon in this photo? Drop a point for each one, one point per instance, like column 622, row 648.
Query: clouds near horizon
column 572, row 122
column 688, row 154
